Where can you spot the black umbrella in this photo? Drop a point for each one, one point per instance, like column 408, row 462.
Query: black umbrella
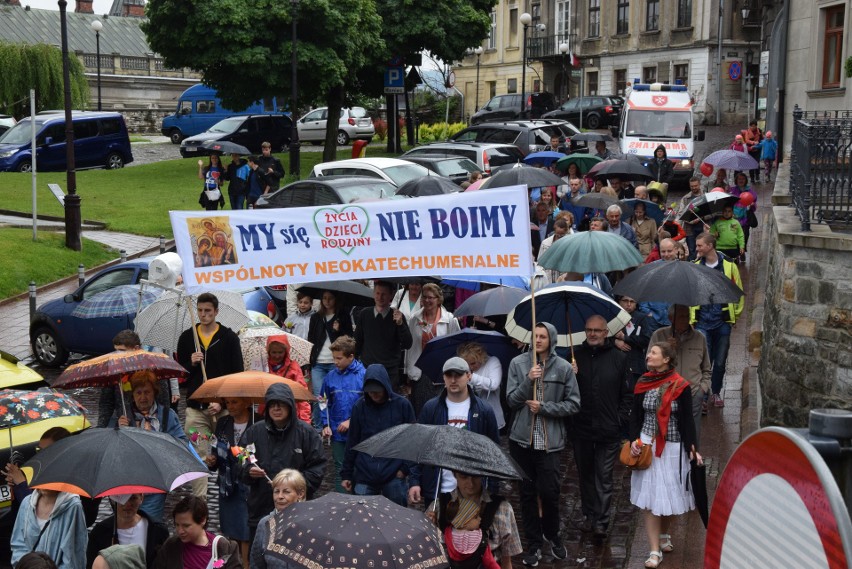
column 597, row 200
column 439, row 350
column 357, row 532
column 592, row 137
column 225, row 147
column 698, row 479
column 520, row 175
column 711, row 203
column 621, row 168
column 492, row 302
column 675, row 282
column 445, row 447
column 349, row 293
column 428, row 186
column 107, row 461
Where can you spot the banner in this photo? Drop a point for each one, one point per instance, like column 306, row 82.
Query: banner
column 473, row 233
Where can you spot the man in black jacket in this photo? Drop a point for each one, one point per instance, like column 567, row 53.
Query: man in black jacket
column 603, row 375
column 381, row 333
column 271, row 167
column 218, row 352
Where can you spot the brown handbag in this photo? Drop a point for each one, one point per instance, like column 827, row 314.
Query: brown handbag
column 640, row 462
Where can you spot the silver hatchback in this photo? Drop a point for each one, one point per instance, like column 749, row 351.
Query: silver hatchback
column 354, row 124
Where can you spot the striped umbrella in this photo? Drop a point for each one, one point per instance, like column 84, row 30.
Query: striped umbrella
column 118, row 301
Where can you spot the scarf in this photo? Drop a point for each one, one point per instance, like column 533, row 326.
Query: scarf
column 672, row 385
column 430, row 330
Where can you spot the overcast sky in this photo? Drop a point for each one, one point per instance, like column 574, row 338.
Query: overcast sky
column 99, row 6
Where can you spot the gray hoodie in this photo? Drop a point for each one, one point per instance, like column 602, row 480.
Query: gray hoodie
column 561, row 396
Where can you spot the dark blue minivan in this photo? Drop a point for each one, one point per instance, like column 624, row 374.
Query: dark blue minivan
column 100, row 141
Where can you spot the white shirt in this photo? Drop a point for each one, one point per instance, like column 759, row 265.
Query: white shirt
column 457, row 414
column 137, row 535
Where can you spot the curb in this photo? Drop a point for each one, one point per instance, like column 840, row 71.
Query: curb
column 95, row 225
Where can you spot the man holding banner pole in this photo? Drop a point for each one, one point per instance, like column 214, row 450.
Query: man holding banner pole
column 382, row 333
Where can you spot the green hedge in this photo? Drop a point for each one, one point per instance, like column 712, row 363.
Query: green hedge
column 439, row 131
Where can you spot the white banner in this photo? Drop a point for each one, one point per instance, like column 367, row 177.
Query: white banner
column 484, row 232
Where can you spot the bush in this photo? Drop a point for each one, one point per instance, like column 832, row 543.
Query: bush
column 439, row 131
column 381, row 128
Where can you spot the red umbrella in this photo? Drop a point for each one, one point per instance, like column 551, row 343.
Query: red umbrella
column 112, row 368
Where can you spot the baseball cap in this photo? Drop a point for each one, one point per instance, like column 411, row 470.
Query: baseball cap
column 457, row 365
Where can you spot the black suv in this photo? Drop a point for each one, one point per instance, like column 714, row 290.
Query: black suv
column 600, row 111
column 529, row 136
column 508, row 107
column 249, row 130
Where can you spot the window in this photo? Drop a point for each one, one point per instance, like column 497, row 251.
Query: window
column 622, row 18
column 652, row 16
column 592, row 82
column 649, row 74
column 594, row 18
column 684, row 13
column 109, row 280
column 562, row 18
column 512, row 86
column 56, row 132
column 833, row 50
column 513, row 26
column 184, row 107
column 206, row 107
column 110, row 126
column 85, row 129
column 681, row 74
column 492, row 34
column 536, row 86
column 620, row 80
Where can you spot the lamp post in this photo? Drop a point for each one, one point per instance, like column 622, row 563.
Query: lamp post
column 526, row 20
column 72, row 200
column 478, row 52
column 98, row 26
column 563, row 49
column 749, row 58
column 295, row 166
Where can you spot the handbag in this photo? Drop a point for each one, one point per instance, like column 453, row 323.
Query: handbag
column 215, row 562
column 640, row 462
column 751, row 219
column 213, row 195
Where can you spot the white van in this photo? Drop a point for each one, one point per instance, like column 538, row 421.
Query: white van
column 660, row 114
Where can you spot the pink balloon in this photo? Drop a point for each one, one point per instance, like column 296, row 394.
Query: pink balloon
column 746, row 199
column 706, row 169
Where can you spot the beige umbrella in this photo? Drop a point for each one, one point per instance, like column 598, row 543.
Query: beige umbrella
column 253, row 344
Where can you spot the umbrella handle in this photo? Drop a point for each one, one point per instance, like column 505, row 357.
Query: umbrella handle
column 195, row 336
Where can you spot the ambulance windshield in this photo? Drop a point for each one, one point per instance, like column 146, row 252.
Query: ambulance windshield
column 659, row 124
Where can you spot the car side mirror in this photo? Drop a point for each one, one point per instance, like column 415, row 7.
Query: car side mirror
column 700, row 136
column 69, row 298
column 48, row 140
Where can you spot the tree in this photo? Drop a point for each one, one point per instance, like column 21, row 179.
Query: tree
column 24, row 67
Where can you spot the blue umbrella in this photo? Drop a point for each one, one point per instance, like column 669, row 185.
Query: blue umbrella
column 652, row 210
column 473, row 282
column 118, row 301
column 567, row 306
column 491, row 302
column 439, row 350
column 545, row 158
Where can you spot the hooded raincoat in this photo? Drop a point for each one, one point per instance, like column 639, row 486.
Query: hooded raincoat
column 290, row 369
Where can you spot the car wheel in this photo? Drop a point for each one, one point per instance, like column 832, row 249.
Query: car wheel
column 175, row 136
column 25, row 166
column 342, row 138
column 47, row 348
column 114, row 161
column 593, row 121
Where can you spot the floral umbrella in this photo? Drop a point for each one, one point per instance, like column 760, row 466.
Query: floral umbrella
column 18, row 407
column 111, row 368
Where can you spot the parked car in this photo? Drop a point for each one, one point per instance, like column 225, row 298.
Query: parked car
column 354, row 124
column 602, row 111
column 528, row 136
column 488, row 157
column 55, row 331
column 250, row 131
column 508, row 107
column 100, row 141
column 328, row 190
column 6, row 122
column 392, row 170
column 456, row 168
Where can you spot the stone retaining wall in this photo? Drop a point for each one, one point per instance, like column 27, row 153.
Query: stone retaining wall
column 144, row 121
column 806, row 351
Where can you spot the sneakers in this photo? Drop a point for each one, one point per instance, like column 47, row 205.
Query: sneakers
column 718, row 401
column 558, row 550
column 532, row 556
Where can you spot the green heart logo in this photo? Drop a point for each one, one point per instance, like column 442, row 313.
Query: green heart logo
column 339, row 228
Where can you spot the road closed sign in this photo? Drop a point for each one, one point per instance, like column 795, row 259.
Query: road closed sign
column 777, row 505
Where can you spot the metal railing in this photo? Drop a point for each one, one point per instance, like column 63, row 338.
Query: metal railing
column 821, row 167
column 541, row 47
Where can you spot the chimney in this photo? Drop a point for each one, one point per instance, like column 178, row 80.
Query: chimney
column 134, row 8
column 84, row 7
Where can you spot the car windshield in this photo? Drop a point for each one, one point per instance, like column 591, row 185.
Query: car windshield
column 659, row 124
column 402, row 174
column 20, row 133
column 373, row 191
column 455, row 167
column 228, row 125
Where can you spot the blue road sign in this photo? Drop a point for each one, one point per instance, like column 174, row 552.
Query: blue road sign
column 735, row 71
column 394, row 80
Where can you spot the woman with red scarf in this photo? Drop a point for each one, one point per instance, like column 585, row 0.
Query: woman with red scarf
column 662, row 417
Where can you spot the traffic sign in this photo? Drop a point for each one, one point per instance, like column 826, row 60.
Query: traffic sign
column 735, row 71
column 394, row 80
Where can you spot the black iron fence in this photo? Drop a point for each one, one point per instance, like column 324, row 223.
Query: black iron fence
column 821, row 167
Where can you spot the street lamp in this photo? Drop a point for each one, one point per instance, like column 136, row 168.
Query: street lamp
column 295, row 167
column 749, row 59
column 478, row 52
column 72, row 200
column 526, row 20
column 98, row 26
column 563, row 49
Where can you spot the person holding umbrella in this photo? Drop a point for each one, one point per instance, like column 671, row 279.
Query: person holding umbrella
column 662, row 417
column 486, row 375
column 211, row 197
column 282, row 365
column 127, row 526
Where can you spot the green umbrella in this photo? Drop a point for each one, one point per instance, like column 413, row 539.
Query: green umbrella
column 590, row 252
column 583, row 161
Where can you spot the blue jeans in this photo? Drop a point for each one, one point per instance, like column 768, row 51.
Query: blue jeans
column 395, row 490
column 318, row 373
column 718, row 342
column 237, row 201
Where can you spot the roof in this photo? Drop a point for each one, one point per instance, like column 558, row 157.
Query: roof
column 119, row 35
column 375, row 162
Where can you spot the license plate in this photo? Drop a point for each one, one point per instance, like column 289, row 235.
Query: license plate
column 191, row 148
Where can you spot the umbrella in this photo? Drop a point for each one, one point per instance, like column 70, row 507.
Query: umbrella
column 225, row 147
column 443, row 446
column 491, row 302
column 584, row 162
column 349, row 293
column 473, row 282
column 629, row 169
column 597, row 200
column 253, row 345
column 249, row 384
column 356, row 532
column 545, row 158
column 439, row 350
column 20, row 407
column 162, row 322
column 592, row 137
column 652, row 210
column 731, row 160
column 108, row 461
column 590, row 252
column 475, row 186
column 258, row 319
column 698, row 479
column 111, row 368
column 711, row 203
column 117, row 301
column 428, row 186
column 524, row 175
column 696, row 285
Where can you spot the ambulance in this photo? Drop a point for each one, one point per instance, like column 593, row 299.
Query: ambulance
column 657, row 114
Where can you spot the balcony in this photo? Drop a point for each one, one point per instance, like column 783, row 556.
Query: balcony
column 547, row 47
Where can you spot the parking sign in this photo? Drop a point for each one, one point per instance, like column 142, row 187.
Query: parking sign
column 394, row 80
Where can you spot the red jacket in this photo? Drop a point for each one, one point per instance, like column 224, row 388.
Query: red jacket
column 291, row 370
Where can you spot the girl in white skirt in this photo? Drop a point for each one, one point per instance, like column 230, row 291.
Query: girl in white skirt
column 662, row 417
